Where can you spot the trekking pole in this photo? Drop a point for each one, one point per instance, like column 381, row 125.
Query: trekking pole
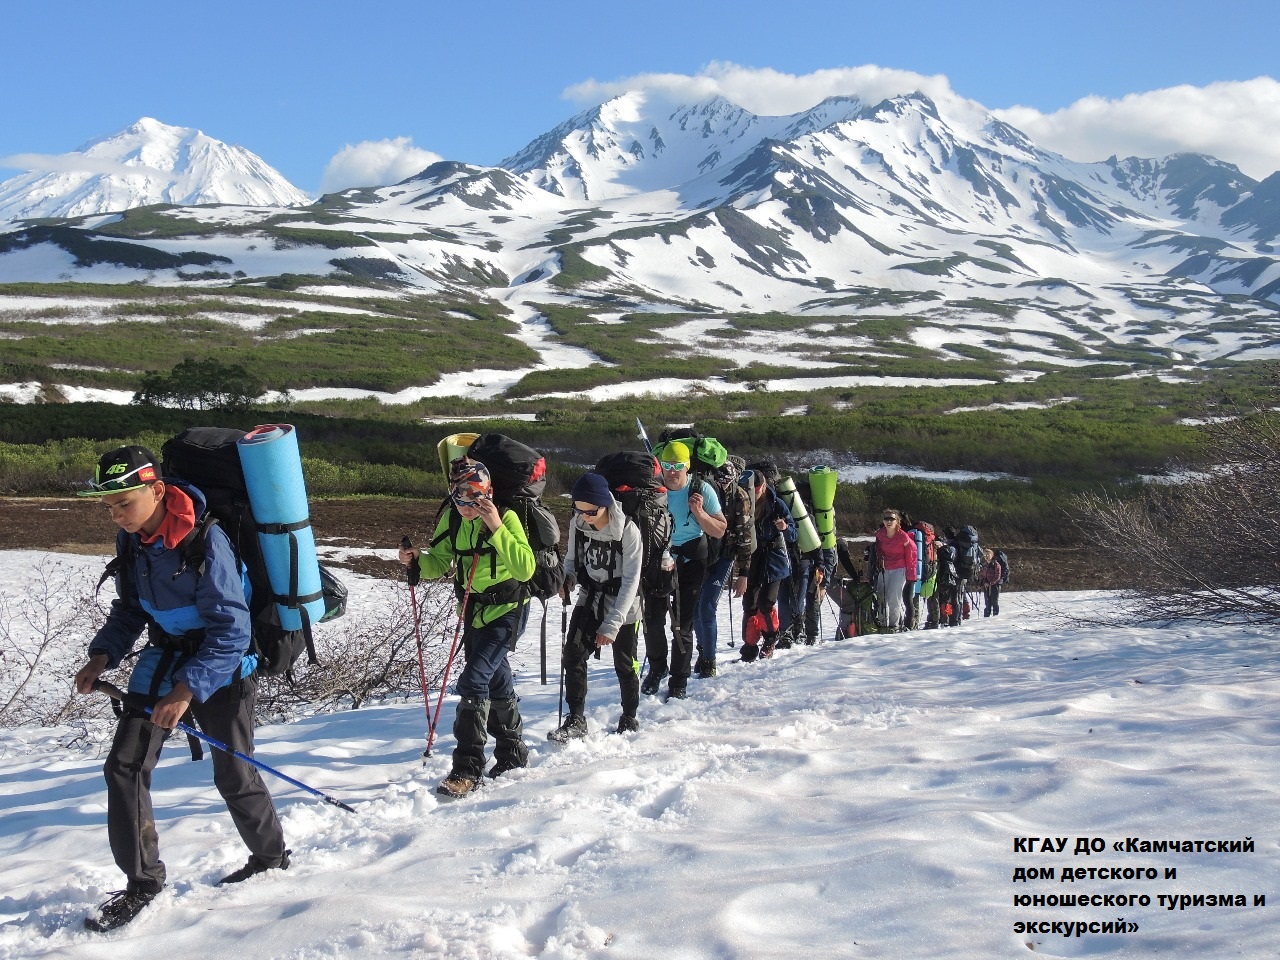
column 413, row 575
column 564, row 631
column 453, row 650
column 115, row 693
column 732, row 633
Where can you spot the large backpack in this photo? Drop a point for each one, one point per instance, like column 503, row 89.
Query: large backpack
column 946, row 558
column 635, row 480
column 929, row 557
column 1003, row 559
column 968, row 553
column 209, row 459
column 519, row 475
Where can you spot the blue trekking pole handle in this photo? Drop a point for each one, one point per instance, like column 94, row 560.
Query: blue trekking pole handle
column 644, row 435
column 115, row 693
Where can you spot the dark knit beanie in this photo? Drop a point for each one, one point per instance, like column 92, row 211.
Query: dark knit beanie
column 593, row 489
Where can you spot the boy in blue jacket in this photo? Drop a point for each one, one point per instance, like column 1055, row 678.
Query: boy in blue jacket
column 198, row 658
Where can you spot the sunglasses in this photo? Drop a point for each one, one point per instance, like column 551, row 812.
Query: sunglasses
column 473, row 503
column 889, row 519
column 678, row 465
column 138, row 477
column 587, row 513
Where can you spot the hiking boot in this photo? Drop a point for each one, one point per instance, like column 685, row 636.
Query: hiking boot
column 121, row 907
column 749, row 652
column 676, row 688
column 505, row 766
column 627, row 724
column 767, row 648
column 254, row 867
column 652, row 682
column 784, row 641
column 573, row 728
column 704, row 668
column 810, row 639
column 458, row 785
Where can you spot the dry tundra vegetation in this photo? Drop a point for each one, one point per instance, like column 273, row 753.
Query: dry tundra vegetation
column 1068, row 504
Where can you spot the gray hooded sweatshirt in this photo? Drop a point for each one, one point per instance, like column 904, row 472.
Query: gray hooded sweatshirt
column 587, row 561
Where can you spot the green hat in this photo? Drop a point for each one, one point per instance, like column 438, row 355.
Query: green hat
column 121, row 470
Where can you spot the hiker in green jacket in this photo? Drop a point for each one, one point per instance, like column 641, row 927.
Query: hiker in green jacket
column 490, row 557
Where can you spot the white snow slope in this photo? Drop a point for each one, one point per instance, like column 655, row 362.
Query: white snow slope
column 862, row 798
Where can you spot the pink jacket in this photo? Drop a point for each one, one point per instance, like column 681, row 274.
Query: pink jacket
column 897, row 552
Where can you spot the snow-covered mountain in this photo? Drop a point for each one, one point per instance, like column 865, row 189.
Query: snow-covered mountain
column 981, row 243
column 146, row 163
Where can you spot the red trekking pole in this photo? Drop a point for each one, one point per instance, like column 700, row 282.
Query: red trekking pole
column 413, row 574
column 433, row 722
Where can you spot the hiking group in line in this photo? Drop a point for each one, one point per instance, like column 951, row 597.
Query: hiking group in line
column 654, row 539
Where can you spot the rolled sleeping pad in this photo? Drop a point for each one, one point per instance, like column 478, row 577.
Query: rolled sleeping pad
column 918, row 536
column 808, row 535
column 273, row 475
column 452, row 447
column 822, row 487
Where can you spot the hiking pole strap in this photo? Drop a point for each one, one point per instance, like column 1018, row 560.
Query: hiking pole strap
column 115, row 693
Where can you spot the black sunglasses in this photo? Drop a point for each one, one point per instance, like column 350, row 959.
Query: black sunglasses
column 587, row 513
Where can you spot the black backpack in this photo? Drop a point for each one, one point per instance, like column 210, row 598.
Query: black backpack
column 519, row 475
column 208, row 459
column 968, row 553
column 635, row 480
column 1003, row 559
column 946, row 554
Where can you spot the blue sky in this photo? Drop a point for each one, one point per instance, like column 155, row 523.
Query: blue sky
column 297, row 82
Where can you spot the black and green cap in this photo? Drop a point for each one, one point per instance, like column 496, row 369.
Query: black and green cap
column 121, row 470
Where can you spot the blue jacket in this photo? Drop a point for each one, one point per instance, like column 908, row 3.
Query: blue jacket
column 160, row 589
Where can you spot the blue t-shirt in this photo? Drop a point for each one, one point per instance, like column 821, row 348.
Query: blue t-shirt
column 686, row 527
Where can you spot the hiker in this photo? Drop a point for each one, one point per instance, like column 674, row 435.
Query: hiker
column 695, row 515
column 734, row 549
column 855, row 597
column 797, row 619
column 968, row 560
column 197, row 661
column 895, row 567
column 489, row 555
column 990, row 577
column 604, row 561
column 769, row 566
column 947, row 588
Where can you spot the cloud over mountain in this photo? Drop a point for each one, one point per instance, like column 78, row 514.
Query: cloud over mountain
column 1238, row 121
column 375, row 163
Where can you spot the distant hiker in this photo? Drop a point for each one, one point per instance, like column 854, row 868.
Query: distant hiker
column 696, row 515
column 798, row 614
column 947, row 589
column 604, row 560
column 968, row 559
column 734, row 550
column 489, row 555
column 769, row 566
column 990, row 576
column 197, row 661
column 895, row 567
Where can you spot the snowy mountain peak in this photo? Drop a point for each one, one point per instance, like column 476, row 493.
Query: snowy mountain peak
column 147, row 162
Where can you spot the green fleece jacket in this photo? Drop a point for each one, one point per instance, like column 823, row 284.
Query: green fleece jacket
column 496, row 558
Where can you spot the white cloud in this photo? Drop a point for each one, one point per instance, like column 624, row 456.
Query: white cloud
column 1236, row 121
column 375, row 163
column 77, row 163
column 770, row 92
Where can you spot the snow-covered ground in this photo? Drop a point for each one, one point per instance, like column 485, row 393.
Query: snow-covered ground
column 865, row 798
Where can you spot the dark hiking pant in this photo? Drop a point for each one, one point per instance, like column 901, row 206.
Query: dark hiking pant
column 226, row 716
column 580, row 644
column 992, row 599
column 691, row 568
column 488, row 702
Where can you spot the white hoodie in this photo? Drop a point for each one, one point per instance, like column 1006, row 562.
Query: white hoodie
column 596, row 549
